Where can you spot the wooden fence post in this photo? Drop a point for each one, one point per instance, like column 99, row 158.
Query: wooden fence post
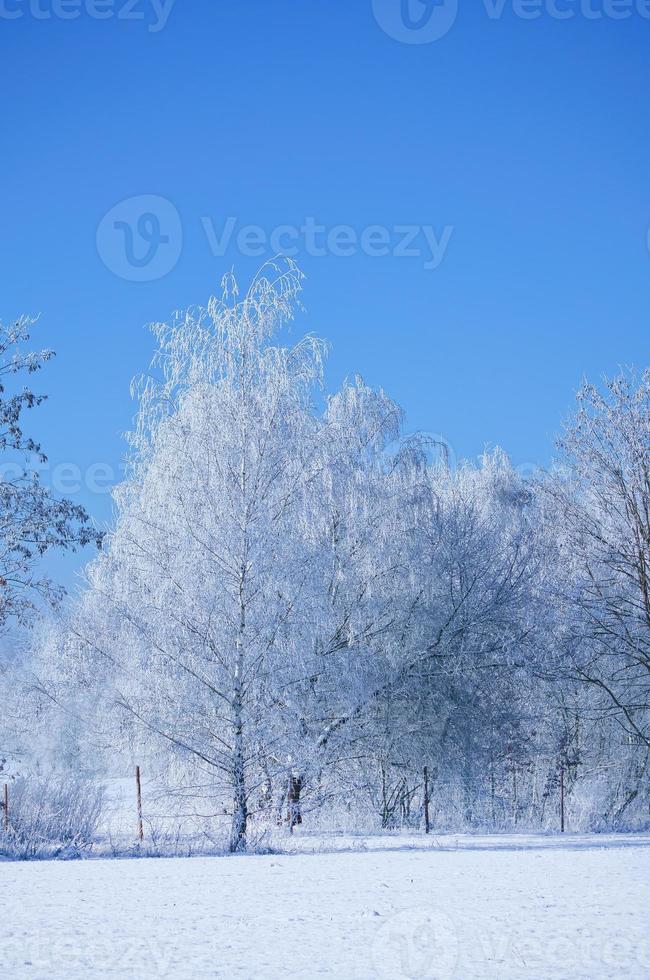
column 427, row 825
column 562, row 797
column 5, row 808
column 138, row 785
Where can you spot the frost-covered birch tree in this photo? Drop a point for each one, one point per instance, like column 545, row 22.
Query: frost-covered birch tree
column 191, row 605
column 602, row 499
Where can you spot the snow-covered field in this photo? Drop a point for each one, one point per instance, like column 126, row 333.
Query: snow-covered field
column 351, row 908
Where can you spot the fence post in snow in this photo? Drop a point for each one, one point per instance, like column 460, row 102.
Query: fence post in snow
column 5, row 808
column 562, row 797
column 138, row 786
column 427, row 825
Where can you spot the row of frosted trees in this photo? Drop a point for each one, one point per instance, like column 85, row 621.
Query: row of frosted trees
column 299, row 609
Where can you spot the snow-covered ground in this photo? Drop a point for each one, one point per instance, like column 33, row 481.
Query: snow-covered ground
column 351, row 908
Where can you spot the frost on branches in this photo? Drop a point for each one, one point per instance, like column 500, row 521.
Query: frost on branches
column 32, row 521
column 300, row 610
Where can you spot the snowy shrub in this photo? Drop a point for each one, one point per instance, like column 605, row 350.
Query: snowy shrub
column 53, row 816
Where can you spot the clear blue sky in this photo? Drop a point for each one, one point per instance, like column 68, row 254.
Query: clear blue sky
column 530, row 137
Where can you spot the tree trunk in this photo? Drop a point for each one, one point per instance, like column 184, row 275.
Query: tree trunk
column 240, row 805
column 294, row 789
column 427, row 821
column 239, row 816
column 240, row 796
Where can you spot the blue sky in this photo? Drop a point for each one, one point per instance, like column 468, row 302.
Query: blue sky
column 520, row 145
